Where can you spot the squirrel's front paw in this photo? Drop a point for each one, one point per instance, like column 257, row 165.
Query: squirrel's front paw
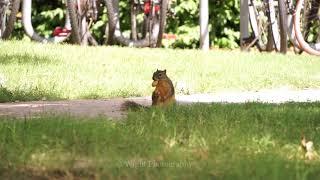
column 154, row 83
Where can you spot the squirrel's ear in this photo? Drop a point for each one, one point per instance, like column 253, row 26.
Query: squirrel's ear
column 157, row 69
column 165, row 71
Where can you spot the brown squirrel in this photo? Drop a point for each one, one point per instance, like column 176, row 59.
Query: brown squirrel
column 162, row 95
column 164, row 92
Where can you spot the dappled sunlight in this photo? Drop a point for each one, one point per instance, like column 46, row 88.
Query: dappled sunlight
column 58, row 159
column 268, row 145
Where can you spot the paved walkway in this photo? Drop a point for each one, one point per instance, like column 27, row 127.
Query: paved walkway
column 112, row 107
column 267, row 96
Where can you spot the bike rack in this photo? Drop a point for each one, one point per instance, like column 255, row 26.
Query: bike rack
column 27, row 24
column 204, row 24
column 244, row 22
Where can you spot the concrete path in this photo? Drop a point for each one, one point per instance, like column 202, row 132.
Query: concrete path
column 112, row 107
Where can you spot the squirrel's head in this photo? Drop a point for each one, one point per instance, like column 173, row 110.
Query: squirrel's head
column 158, row 75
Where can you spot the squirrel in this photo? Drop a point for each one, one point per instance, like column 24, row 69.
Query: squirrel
column 163, row 94
column 164, row 91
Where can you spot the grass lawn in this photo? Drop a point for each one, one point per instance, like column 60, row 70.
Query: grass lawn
column 33, row 71
column 217, row 141
column 213, row 141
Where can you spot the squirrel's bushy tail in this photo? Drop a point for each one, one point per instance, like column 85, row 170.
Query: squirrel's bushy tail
column 131, row 105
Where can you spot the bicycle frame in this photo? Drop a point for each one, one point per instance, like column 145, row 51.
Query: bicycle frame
column 29, row 30
column 291, row 33
column 311, row 48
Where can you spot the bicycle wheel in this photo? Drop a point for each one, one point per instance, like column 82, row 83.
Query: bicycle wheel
column 307, row 26
column 290, row 24
column 162, row 23
column 278, row 19
column 259, row 23
column 8, row 12
column 268, row 20
column 274, row 23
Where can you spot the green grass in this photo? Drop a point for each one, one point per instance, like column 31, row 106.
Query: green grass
column 217, row 141
column 34, row 71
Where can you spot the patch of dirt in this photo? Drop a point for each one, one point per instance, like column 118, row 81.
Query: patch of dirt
column 112, row 107
column 83, row 108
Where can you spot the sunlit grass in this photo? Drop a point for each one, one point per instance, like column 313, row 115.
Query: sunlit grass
column 34, row 71
column 218, row 141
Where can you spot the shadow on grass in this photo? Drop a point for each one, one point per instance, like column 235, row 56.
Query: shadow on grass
column 26, row 59
column 16, row 95
column 34, row 173
column 259, row 140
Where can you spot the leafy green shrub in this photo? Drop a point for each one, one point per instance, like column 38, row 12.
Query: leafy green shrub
column 225, row 21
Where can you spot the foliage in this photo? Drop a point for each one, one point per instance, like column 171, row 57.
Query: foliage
column 225, row 21
column 182, row 21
